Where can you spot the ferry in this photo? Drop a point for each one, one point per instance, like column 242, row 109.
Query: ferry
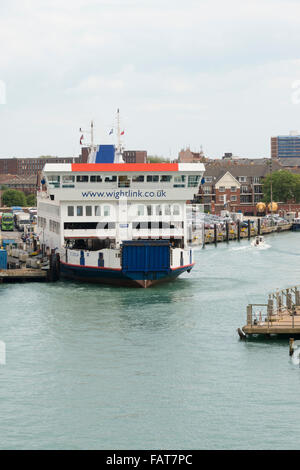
column 117, row 223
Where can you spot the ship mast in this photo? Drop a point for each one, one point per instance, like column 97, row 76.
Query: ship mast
column 119, row 157
column 91, row 145
column 92, row 136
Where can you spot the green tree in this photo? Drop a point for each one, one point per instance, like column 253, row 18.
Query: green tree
column 156, row 159
column 285, row 186
column 12, row 197
column 31, row 200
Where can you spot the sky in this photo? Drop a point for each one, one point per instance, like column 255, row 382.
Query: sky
column 210, row 73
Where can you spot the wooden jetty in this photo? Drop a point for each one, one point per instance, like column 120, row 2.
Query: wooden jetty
column 23, row 275
column 280, row 316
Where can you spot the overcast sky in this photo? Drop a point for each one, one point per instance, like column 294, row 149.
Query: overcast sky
column 224, row 75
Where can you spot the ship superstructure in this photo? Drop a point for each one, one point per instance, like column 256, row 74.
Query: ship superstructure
column 118, row 223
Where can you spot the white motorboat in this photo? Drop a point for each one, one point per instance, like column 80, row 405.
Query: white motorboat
column 259, row 241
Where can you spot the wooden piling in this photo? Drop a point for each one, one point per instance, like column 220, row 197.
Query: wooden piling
column 291, row 346
column 249, row 229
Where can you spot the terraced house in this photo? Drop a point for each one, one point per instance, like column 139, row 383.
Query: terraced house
column 234, row 184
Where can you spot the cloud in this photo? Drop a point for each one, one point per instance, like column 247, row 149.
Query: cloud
column 204, row 71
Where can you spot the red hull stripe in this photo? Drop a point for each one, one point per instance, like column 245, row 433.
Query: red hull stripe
column 124, row 167
column 92, row 267
column 185, row 266
column 118, row 269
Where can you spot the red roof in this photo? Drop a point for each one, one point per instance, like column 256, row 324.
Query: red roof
column 125, row 167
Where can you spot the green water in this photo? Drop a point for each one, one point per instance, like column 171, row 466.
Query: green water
column 114, row 368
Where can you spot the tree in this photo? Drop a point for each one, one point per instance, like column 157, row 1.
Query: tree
column 285, row 186
column 156, row 159
column 31, row 200
column 12, row 197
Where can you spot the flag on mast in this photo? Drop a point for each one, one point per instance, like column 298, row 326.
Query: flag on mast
column 111, row 131
column 122, row 133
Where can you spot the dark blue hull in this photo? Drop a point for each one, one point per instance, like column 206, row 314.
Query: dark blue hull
column 296, row 227
column 118, row 277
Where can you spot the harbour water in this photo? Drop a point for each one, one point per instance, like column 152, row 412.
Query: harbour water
column 92, row 367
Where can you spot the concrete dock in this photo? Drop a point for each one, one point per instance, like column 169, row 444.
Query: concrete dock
column 220, row 235
column 22, row 275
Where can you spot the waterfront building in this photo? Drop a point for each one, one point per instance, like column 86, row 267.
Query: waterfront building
column 135, row 156
column 286, row 146
column 187, row 156
column 236, row 185
column 33, row 166
column 27, row 184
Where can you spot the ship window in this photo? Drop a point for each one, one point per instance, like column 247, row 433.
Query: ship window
column 88, row 211
column 152, row 178
column 54, row 181
column 158, row 210
column 110, row 179
column 70, row 211
column 138, row 178
column 165, row 178
column 96, row 179
column 176, row 209
column 82, row 178
column 54, row 178
column 193, row 181
column 140, row 210
column 167, row 209
column 97, row 211
column 179, row 181
column 124, row 181
column 106, row 211
column 68, row 179
column 79, row 211
column 149, row 210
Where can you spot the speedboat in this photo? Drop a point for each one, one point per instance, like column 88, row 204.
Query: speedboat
column 258, row 241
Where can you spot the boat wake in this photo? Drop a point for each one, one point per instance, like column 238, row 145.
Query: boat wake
column 295, row 358
column 265, row 246
column 241, row 248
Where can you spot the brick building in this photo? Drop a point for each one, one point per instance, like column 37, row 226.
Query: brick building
column 135, row 156
column 29, row 166
column 32, row 166
column 187, row 156
column 236, row 185
column 27, row 184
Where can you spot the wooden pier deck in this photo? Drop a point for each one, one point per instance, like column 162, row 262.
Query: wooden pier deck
column 280, row 316
column 22, row 275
